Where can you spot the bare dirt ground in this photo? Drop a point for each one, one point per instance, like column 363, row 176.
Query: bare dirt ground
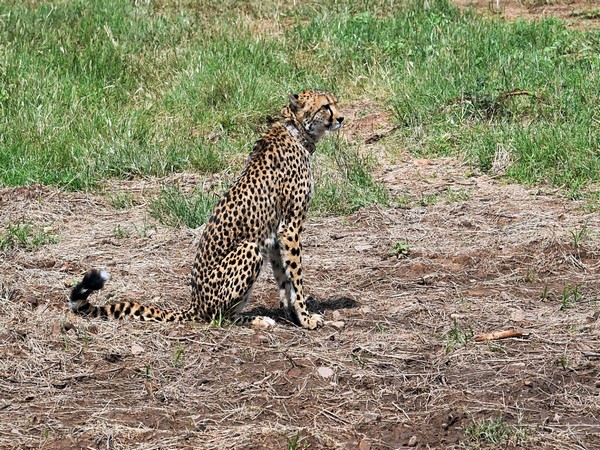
column 581, row 14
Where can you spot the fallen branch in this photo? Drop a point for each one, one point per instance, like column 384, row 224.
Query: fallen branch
column 500, row 335
column 506, row 95
column 482, row 102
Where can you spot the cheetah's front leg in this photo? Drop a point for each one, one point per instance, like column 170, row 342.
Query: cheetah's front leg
column 292, row 262
column 281, row 278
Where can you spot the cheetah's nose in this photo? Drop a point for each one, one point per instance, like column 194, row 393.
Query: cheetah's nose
column 340, row 119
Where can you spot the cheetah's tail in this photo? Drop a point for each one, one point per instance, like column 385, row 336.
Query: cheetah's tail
column 94, row 280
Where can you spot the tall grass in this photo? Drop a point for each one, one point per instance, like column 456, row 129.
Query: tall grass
column 115, row 88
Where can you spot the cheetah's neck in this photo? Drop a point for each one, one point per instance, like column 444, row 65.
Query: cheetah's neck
column 301, row 136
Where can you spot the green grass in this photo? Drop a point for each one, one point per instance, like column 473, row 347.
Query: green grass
column 399, row 249
column 122, row 89
column 458, row 336
column 495, row 431
column 343, row 181
column 175, row 208
column 24, row 235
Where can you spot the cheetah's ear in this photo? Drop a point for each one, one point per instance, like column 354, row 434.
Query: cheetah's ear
column 294, row 105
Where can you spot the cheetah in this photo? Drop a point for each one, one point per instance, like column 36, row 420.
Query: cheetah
column 261, row 215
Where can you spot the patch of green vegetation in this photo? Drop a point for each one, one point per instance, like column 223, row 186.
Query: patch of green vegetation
column 457, row 195
column 399, row 249
column 179, row 356
column 381, row 328
column 115, row 88
column 220, row 319
column 347, row 185
column 121, row 200
column 428, row 200
column 564, row 360
column 579, row 235
column 121, row 232
column 570, row 296
column 494, row 431
column 458, row 336
column 294, row 442
column 24, row 235
column 175, row 208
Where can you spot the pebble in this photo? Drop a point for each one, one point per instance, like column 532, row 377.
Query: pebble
column 137, row 349
column 371, row 416
column 325, row 372
column 337, row 324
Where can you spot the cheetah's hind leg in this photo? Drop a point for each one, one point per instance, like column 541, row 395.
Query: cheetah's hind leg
column 239, row 270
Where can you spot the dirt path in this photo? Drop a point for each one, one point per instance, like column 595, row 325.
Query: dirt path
column 580, row 14
column 398, row 367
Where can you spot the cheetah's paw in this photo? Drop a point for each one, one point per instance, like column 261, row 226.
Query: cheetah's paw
column 314, row 321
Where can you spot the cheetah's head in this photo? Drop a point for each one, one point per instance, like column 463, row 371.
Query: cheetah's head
column 315, row 111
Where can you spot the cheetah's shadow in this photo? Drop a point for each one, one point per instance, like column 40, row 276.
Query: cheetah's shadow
column 313, row 304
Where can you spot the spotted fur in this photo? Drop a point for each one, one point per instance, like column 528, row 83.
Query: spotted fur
column 261, row 215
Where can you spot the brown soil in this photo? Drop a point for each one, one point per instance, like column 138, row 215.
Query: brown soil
column 581, row 14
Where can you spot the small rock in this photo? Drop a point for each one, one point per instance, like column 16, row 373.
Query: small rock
column 371, row 416
column 58, row 327
column 413, row 441
column 515, row 367
column 517, row 316
column 294, row 372
column 337, row 324
column 261, row 338
column 336, row 315
column 66, row 267
column 428, row 280
column 33, row 301
column 137, row 349
column 364, row 445
column 325, row 372
column 362, row 247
